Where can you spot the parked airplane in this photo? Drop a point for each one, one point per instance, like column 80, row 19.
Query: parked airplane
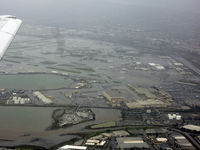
column 9, row 26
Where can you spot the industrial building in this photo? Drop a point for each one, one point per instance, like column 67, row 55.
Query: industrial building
column 114, row 95
column 192, row 127
column 174, row 116
column 137, row 97
column 157, row 66
column 18, row 100
column 71, row 147
column 97, row 143
column 131, row 142
column 181, row 142
column 41, row 97
column 119, row 94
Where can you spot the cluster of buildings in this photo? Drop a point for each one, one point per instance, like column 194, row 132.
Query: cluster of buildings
column 157, row 66
column 137, row 97
column 72, row 116
column 14, row 97
column 80, row 85
column 18, row 100
column 181, row 142
column 4, row 94
column 158, row 117
column 157, row 138
column 160, row 63
column 149, row 66
column 175, row 116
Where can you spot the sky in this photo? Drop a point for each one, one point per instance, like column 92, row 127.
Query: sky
column 181, row 16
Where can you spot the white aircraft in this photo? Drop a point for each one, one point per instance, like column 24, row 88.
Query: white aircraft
column 9, row 26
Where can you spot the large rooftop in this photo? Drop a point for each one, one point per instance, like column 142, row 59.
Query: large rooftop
column 192, row 127
column 131, row 142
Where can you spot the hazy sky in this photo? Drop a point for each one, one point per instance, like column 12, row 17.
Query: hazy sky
column 180, row 15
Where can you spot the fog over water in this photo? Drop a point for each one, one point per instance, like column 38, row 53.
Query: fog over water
column 179, row 16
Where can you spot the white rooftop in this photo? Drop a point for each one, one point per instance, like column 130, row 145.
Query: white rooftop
column 70, row 147
column 192, row 127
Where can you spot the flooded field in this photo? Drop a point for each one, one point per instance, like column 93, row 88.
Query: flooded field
column 81, row 49
column 17, row 121
column 34, row 81
column 29, row 125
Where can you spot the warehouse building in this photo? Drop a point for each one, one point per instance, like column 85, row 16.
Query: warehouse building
column 118, row 94
column 181, row 142
column 114, row 96
column 131, row 142
column 43, row 98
